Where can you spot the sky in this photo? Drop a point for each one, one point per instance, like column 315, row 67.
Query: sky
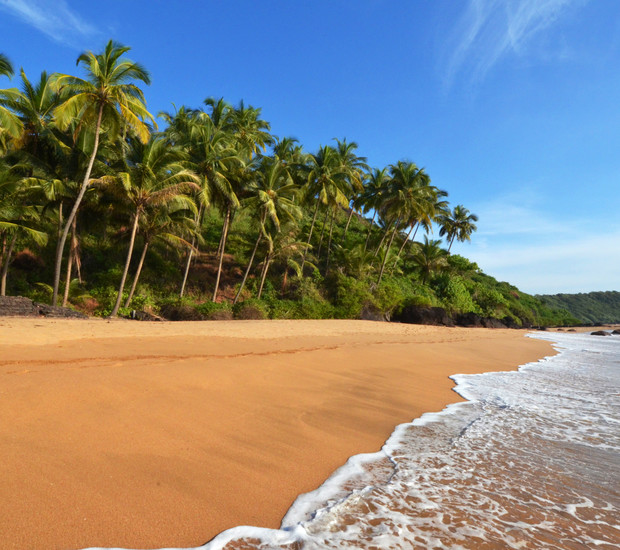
column 511, row 106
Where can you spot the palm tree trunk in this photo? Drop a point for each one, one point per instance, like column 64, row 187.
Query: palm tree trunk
column 76, row 205
column 346, row 227
column 318, row 254
column 132, row 240
column 385, row 234
column 223, row 248
column 329, row 242
column 65, row 296
column 5, row 264
column 372, row 222
column 451, row 241
column 191, row 251
column 316, row 211
column 387, row 251
column 72, row 259
column 187, row 264
column 406, row 241
column 137, row 275
column 247, row 271
column 264, row 274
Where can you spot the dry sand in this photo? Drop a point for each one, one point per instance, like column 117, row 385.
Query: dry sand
column 147, row 435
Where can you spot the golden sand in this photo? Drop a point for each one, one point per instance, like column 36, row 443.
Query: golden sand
column 148, row 435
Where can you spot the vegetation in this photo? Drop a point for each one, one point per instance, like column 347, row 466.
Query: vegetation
column 212, row 216
column 593, row 307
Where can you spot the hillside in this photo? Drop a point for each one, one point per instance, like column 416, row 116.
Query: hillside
column 591, row 307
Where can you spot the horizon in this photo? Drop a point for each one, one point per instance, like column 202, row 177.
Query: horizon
column 511, row 107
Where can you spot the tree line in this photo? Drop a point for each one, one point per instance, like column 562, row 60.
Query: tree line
column 84, row 168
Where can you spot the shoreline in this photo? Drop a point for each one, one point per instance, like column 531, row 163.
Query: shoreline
column 165, row 434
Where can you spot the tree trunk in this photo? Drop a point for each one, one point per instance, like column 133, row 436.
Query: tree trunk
column 223, row 248
column 406, row 241
column 387, row 251
column 73, row 251
column 5, row 264
column 247, row 271
column 132, row 240
column 191, row 251
column 65, row 296
column 76, row 205
column 316, row 211
column 264, row 274
column 329, row 242
column 372, row 222
column 385, row 234
column 318, row 253
column 187, row 264
column 451, row 241
column 346, row 227
column 137, row 275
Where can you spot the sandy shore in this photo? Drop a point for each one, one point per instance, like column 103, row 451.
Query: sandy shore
column 148, row 435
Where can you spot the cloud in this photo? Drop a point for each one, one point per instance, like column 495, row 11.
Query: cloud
column 489, row 29
column 519, row 241
column 52, row 17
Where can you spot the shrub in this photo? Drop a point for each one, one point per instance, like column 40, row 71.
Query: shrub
column 251, row 309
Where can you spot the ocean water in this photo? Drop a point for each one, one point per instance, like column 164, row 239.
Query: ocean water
column 532, row 460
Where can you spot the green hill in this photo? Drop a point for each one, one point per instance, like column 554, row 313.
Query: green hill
column 591, row 307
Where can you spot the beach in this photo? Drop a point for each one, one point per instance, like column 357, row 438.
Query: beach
column 150, row 435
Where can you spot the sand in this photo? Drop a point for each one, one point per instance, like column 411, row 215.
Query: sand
column 150, row 435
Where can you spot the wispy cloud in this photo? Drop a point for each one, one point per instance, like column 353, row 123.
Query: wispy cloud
column 519, row 241
column 489, row 29
column 52, row 17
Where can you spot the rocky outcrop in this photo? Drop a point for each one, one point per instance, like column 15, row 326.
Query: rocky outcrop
column 424, row 316
column 600, row 333
column 615, row 331
column 18, row 306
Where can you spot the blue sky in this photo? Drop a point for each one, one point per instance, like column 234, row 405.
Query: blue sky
column 512, row 106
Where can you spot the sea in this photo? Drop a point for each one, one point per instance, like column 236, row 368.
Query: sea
column 531, row 460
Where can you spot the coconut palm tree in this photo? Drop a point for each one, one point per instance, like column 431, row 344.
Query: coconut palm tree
column 6, row 68
column 429, row 258
column 272, row 197
column 458, row 224
column 375, row 186
column 324, row 185
column 155, row 176
column 106, row 100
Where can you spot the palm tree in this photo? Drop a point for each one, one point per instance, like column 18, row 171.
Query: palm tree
column 16, row 217
column 458, row 224
column 401, row 201
column 9, row 123
column 372, row 197
column 324, row 185
column 429, row 258
column 106, row 99
column 272, row 197
column 155, row 177
column 167, row 223
column 6, row 68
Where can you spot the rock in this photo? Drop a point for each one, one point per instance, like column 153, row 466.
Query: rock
column 600, row 333
column 370, row 313
column 616, row 331
column 571, row 330
column 471, row 319
column 424, row 316
column 181, row 313
column 24, row 307
column 59, row 312
column 144, row 316
column 510, row 322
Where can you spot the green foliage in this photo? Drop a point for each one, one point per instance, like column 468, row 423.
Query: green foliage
column 592, row 307
column 453, row 293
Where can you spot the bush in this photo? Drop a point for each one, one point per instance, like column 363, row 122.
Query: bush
column 454, row 295
column 251, row 309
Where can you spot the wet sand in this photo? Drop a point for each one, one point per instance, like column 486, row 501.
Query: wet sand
column 150, row 435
